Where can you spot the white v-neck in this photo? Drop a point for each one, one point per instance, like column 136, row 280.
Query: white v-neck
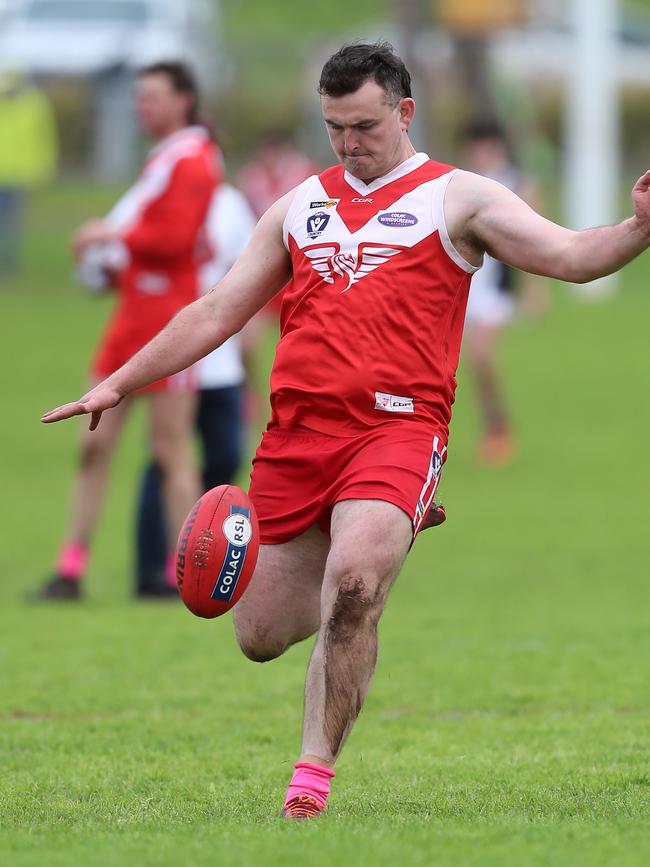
column 399, row 171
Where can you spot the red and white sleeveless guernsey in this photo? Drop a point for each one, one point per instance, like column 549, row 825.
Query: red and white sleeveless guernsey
column 371, row 321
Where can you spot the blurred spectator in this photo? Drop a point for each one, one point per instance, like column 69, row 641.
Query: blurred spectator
column 28, row 157
column 491, row 304
column 277, row 167
column 219, row 419
column 148, row 247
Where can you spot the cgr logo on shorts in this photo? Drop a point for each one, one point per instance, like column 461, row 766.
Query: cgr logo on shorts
column 393, row 402
column 237, row 530
column 316, row 224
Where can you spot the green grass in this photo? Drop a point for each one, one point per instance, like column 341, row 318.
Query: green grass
column 509, row 720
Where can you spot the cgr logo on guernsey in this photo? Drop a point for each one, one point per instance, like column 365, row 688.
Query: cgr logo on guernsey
column 397, row 219
column 393, row 402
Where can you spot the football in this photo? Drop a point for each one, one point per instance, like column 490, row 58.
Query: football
column 217, row 551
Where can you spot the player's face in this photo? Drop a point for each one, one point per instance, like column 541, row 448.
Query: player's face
column 161, row 110
column 368, row 135
column 486, row 155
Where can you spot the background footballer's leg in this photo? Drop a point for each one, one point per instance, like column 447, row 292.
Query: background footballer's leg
column 220, row 426
column 88, row 490
column 97, row 448
column 282, row 603
column 482, row 351
column 172, row 424
column 370, row 539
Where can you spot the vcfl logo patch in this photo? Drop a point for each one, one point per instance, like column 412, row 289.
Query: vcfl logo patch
column 330, row 263
column 316, row 224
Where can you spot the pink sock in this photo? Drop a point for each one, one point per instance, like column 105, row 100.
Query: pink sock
column 170, row 569
column 312, row 780
column 73, row 561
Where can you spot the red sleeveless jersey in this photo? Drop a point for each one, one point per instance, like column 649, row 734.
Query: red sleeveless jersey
column 372, row 319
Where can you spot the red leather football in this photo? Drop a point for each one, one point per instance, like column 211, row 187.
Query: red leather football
column 217, row 551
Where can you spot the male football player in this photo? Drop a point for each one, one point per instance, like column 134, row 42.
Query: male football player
column 378, row 253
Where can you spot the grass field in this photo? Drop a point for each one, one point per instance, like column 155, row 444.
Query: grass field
column 509, row 722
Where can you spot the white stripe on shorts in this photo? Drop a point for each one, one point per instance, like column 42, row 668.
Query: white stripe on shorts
column 428, row 491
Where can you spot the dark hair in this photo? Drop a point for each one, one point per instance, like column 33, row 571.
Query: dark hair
column 483, row 128
column 347, row 70
column 181, row 79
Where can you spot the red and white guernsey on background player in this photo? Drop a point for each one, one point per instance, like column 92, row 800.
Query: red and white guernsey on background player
column 379, row 254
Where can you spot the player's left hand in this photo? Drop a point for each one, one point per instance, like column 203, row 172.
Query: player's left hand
column 641, row 201
column 93, row 403
column 92, row 232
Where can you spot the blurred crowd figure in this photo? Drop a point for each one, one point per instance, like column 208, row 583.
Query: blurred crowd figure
column 496, row 292
column 150, row 247
column 28, row 158
column 277, row 166
column 220, row 417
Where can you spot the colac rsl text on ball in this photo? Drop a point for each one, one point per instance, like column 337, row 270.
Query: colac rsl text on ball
column 217, row 551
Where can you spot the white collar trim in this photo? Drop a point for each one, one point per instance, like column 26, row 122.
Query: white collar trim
column 399, row 171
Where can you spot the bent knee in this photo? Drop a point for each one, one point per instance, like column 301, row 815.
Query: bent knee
column 258, row 651
column 256, row 641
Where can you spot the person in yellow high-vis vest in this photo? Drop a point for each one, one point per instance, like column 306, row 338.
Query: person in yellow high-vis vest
column 28, row 157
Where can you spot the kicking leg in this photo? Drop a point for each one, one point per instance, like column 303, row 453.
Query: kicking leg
column 282, row 603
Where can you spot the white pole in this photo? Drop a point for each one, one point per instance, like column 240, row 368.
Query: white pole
column 592, row 124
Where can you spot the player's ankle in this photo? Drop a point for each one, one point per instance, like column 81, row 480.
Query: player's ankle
column 72, row 562
column 315, row 760
column 312, row 780
column 170, row 569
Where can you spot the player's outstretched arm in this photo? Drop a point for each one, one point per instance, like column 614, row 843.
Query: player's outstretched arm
column 483, row 215
column 261, row 271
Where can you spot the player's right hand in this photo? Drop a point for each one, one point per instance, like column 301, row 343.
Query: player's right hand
column 93, row 403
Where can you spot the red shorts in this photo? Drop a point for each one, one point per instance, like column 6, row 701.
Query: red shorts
column 299, row 474
column 118, row 344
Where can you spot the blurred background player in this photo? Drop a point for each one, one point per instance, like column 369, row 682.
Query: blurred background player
column 219, row 418
column 28, row 157
column 493, row 297
column 277, row 167
column 148, row 246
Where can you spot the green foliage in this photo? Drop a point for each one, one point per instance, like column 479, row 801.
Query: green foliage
column 508, row 721
column 298, row 19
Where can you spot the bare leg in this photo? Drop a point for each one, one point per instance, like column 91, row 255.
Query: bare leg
column 282, row 603
column 482, row 345
column 370, row 539
column 97, row 448
column 172, row 424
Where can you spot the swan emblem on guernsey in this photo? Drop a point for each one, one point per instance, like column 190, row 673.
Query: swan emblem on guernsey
column 328, row 261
